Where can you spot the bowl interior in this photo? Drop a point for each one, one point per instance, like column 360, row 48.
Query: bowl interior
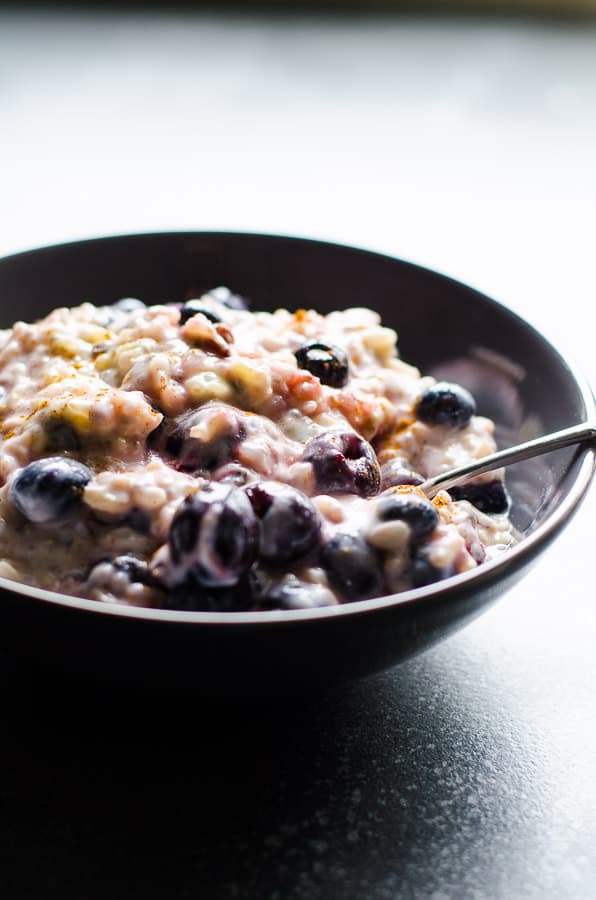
column 444, row 327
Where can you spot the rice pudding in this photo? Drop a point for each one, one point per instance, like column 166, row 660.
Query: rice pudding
column 203, row 456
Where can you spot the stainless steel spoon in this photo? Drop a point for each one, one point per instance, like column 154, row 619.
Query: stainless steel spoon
column 574, row 435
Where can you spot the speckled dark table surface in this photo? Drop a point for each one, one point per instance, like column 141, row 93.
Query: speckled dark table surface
column 467, row 146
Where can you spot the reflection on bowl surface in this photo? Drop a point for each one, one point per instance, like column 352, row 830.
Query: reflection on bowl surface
column 445, row 328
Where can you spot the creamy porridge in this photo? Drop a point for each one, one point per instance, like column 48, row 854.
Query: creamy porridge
column 202, row 456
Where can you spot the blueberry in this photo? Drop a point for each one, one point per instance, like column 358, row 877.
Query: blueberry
column 214, row 536
column 419, row 514
column 445, row 404
column 192, row 307
column 488, row 496
column 353, row 567
column 60, row 435
column 295, row 595
column 192, row 595
column 225, row 296
column 136, row 570
column 290, row 523
column 328, row 363
column 423, row 571
column 397, row 471
column 190, row 454
column 157, row 437
column 343, row 462
column 129, row 304
column 50, row 489
column 138, row 520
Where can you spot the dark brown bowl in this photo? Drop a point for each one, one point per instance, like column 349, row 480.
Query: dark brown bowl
column 444, row 327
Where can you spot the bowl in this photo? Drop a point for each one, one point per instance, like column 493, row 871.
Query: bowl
column 444, row 327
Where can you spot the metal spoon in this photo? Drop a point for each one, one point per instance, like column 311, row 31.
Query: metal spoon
column 574, row 435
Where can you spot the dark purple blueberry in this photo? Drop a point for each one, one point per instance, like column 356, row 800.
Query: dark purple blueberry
column 139, row 520
column 290, row 523
column 192, row 307
column 136, row 570
column 343, row 462
column 232, row 301
column 396, row 471
column 190, row 595
column 60, row 435
column 295, row 596
column 156, row 438
column 113, row 577
column 353, row 567
column 327, row 362
column 419, row 514
column 214, row 536
column 445, row 404
column 423, row 571
column 129, row 304
column 488, row 496
column 51, row 489
column 189, row 454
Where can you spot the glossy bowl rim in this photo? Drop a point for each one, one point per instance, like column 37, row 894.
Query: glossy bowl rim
column 529, row 546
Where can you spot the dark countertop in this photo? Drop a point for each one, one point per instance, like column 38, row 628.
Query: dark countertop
column 469, row 146
column 465, row 773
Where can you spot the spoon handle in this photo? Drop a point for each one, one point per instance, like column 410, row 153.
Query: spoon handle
column 574, row 435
